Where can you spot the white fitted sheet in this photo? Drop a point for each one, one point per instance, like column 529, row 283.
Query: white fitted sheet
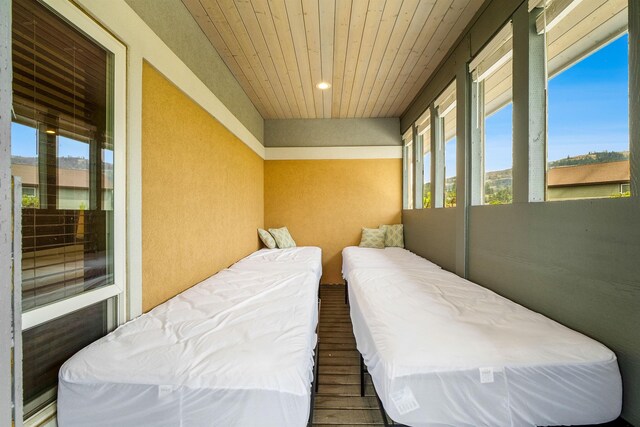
column 234, row 350
column 387, row 258
column 288, row 259
column 467, row 356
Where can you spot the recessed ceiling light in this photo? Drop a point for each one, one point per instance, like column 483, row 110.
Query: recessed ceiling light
column 50, row 131
column 323, row 85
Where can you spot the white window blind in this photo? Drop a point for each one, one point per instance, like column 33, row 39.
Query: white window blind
column 446, row 102
column 498, row 52
column 423, row 124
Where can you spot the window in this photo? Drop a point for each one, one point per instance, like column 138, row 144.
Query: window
column 423, row 125
column 492, row 133
column 587, row 48
column 625, row 190
column 409, row 167
column 64, row 134
column 446, row 110
column 73, row 174
column 24, row 162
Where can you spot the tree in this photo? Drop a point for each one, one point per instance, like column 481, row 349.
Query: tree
column 30, row 201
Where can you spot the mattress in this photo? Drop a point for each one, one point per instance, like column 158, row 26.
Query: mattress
column 443, row 351
column 234, row 350
column 387, row 258
column 289, row 259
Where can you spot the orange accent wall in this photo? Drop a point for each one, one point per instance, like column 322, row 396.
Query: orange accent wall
column 326, row 203
column 202, row 192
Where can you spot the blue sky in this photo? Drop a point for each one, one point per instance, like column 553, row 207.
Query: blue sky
column 24, row 143
column 588, row 110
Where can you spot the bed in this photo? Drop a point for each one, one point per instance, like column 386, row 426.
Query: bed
column 444, row 351
column 299, row 258
column 234, row 350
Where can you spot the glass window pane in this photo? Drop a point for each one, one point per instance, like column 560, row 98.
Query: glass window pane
column 62, row 148
column 588, row 95
column 107, row 179
column 410, row 176
column 498, row 156
column 426, row 189
column 492, row 147
column 73, row 174
column 24, row 162
column 46, row 347
column 449, row 130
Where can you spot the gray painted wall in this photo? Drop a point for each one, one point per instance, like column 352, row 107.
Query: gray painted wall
column 173, row 23
column 573, row 261
column 331, row 132
column 431, row 233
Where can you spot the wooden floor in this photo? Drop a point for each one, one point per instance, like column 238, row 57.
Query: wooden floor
column 338, row 401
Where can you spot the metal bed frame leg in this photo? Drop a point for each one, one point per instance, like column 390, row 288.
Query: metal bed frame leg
column 383, row 413
column 346, row 292
column 361, row 376
column 316, row 370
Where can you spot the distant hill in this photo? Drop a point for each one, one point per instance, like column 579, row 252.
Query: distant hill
column 591, row 158
column 79, row 163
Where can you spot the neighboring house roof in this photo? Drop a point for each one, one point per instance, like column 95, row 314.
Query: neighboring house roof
column 68, row 178
column 596, row 173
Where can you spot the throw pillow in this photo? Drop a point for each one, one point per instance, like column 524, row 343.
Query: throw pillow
column 266, row 238
column 282, row 237
column 394, row 235
column 372, row 238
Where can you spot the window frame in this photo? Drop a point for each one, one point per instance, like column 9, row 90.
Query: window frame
column 408, row 170
column 548, row 16
column 497, row 52
column 423, row 127
column 37, row 316
column 443, row 105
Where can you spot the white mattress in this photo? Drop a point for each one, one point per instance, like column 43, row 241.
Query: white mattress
column 444, row 351
column 234, row 350
column 307, row 258
column 387, row 258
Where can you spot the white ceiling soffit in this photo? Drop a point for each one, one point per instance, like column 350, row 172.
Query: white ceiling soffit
column 376, row 54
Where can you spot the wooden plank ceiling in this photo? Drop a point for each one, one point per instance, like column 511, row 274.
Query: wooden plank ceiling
column 376, row 54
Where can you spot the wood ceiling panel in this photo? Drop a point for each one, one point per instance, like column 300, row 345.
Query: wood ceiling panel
column 278, row 12
column 415, row 29
column 376, row 54
column 390, row 18
column 421, row 73
column 299, row 36
column 369, row 34
column 311, row 13
column 341, row 37
column 327, row 30
column 359, row 12
column 443, row 22
column 407, row 12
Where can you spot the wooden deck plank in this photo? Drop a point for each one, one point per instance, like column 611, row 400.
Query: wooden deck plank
column 352, row 390
column 351, row 416
column 343, row 370
column 338, row 402
column 341, row 402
